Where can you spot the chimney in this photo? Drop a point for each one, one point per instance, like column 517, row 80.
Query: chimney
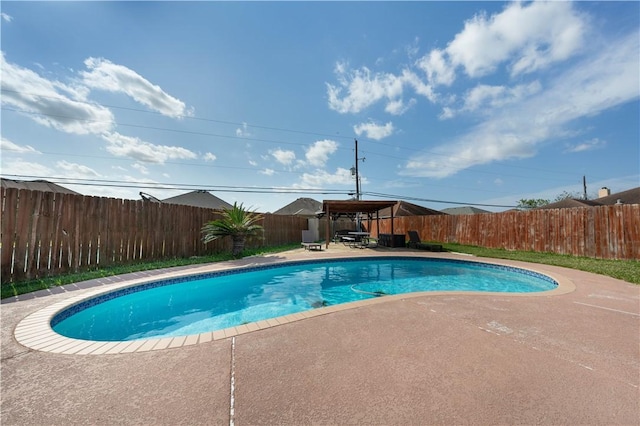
column 603, row 192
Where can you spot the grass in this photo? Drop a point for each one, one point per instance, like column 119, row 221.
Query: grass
column 627, row 270
column 22, row 287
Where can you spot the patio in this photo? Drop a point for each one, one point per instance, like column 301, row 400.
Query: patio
column 448, row 358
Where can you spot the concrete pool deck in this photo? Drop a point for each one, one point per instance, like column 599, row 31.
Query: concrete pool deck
column 567, row 358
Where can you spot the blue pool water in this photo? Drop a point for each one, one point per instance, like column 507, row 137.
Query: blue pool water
column 215, row 301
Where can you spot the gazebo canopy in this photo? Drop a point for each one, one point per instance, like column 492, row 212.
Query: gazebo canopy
column 330, row 207
column 355, row 206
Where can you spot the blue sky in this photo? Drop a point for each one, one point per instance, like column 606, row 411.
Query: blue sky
column 467, row 102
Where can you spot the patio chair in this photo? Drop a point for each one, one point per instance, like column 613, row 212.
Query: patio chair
column 414, row 242
column 308, row 243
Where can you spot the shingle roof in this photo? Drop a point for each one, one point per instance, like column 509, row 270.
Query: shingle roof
column 569, row 203
column 403, row 208
column 37, row 185
column 198, row 199
column 301, row 207
column 464, row 210
column 630, row 196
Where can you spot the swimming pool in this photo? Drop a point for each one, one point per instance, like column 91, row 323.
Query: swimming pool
column 197, row 304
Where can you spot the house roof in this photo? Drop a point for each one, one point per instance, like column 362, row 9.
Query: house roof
column 301, row 207
column 198, row 198
column 630, row 196
column 403, row 208
column 569, row 203
column 37, row 185
column 464, row 210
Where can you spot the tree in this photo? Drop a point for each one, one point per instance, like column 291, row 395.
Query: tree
column 237, row 223
column 531, row 203
column 569, row 195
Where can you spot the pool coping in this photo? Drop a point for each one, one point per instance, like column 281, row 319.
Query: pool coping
column 35, row 332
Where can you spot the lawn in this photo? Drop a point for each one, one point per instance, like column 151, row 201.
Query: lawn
column 627, row 270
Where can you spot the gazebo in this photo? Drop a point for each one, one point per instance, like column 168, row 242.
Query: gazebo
column 330, row 207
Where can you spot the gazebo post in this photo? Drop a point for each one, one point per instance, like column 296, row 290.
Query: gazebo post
column 393, row 244
column 328, row 227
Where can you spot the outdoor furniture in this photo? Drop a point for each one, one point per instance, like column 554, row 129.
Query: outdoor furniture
column 388, row 240
column 339, row 236
column 349, row 241
column 308, row 243
column 361, row 239
column 414, row 242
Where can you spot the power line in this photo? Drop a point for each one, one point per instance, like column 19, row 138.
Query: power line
column 164, row 129
column 380, row 195
column 239, row 189
column 190, row 117
column 204, row 119
column 177, row 186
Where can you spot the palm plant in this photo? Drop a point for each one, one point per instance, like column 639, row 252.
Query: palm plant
column 237, row 223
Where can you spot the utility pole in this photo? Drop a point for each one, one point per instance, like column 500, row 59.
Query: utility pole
column 357, row 176
column 584, row 186
column 356, row 173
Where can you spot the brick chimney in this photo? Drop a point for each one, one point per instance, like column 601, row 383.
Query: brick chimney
column 603, row 192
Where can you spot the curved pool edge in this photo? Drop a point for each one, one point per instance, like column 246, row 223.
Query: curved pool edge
column 35, row 332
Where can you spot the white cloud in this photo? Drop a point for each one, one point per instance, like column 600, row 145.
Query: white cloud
column 141, row 168
column 25, row 168
column 485, row 99
column 318, row 153
column 76, row 170
column 373, row 130
column 243, row 132
column 133, row 147
column 210, row 157
column 399, row 107
column 364, row 88
column 589, row 145
column 283, row 157
column 525, row 37
column 413, row 49
column 7, row 145
column 446, row 113
column 42, row 101
column 321, row 178
column 253, row 163
column 437, row 68
column 529, row 36
column 105, row 75
column 599, row 82
column 6, row 17
column 267, row 172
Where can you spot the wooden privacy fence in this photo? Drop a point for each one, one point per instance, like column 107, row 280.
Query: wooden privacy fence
column 48, row 234
column 605, row 232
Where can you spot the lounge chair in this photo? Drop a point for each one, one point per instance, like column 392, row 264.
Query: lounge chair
column 308, row 243
column 414, row 242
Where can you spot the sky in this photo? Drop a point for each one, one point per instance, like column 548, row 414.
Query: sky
column 451, row 103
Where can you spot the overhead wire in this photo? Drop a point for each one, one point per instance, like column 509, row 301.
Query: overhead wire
column 252, row 139
column 239, row 189
column 205, row 119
